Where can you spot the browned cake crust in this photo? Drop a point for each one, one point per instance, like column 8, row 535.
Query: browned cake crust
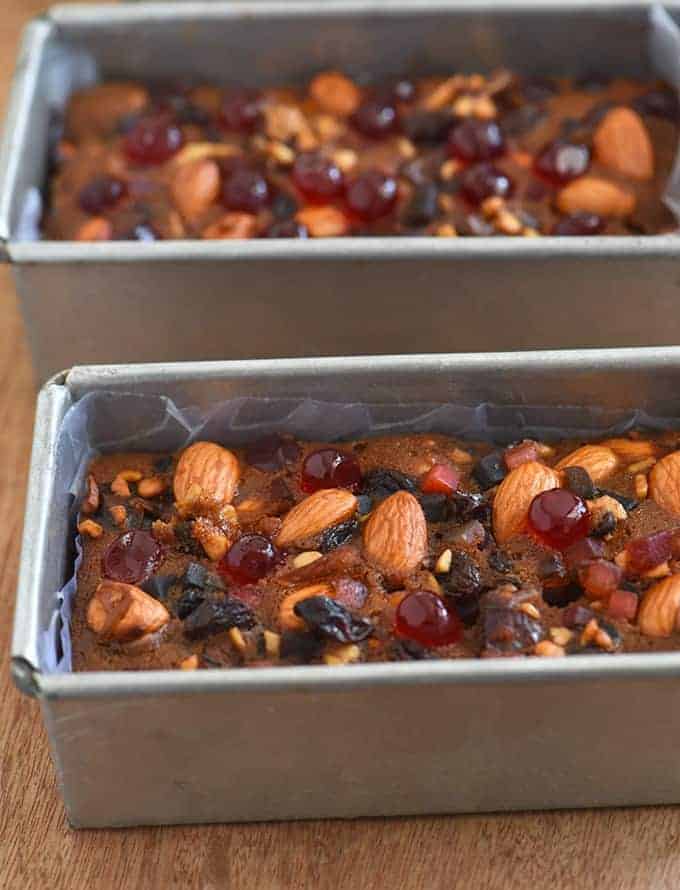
column 384, row 549
column 452, row 156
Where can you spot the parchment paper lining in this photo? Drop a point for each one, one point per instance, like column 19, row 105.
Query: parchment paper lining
column 104, row 422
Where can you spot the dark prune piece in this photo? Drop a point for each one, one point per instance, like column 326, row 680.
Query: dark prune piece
column 408, row 650
column 551, row 566
column 490, row 470
column 330, row 620
column 499, row 561
column 435, row 507
column 507, row 629
column 427, row 127
column 213, row 616
column 467, row 608
column 364, row 504
column 300, row 646
column 466, row 505
column 628, row 504
column 578, row 481
column 423, row 206
column 380, row 484
column 605, row 526
column 159, row 586
column 576, row 616
column 338, row 535
column 630, row 585
column 562, row 595
column 197, row 575
column 191, row 599
column 464, row 575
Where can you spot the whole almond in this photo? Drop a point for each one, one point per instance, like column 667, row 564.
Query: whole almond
column 597, row 460
column 319, row 511
column 664, row 483
column 195, row 187
column 514, row 497
column 395, row 535
column 658, row 614
column 206, row 471
column 335, row 93
column 123, row 612
column 631, row 450
column 323, row 222
column 288, row 620
column 589, row 194
column 622, row 143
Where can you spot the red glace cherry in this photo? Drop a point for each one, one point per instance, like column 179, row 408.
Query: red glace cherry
column 240, row 110
column 249, row 559
column 558, row 518
column 330, row 468
column 153, row 140
column 132, row 557
column 476, row 140
column 371, row 195
column 317, row 177
column 424, row 617
column 101, row 193
column 484, row 181
column 563, row 161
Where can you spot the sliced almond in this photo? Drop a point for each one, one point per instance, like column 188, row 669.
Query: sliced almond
column 664, row 483
column 395, row 536
column 335, row 93
column 123, row 612
column 319, row 511
column 590, row 194
column 597, row 460
column 621, row 142
column 658, row 614
column 206, row 471
column 287, row 617
column 195, row 187
column 514, row 497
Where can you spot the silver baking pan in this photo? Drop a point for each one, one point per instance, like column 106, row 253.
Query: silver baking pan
column 367, row 740
column 197, row 300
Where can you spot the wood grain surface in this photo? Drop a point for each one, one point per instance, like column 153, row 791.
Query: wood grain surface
column 623, row 849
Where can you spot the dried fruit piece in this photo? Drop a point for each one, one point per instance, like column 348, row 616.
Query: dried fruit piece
column 558, row 518
column 321, row 510
column 332, row 621
column 132, row 557
column 664, row 483
column 215, row 615
column 590, row 194
column 206, row 473
column 514, row 497
column 441, row 479
column 621, row 142
column 330, row 468
column 395, row 535
column 288, row 619
column 424, row 617
column 648, row 552
column 658, row 613
column 249, row 559
column 597, row 460
column 122, row 612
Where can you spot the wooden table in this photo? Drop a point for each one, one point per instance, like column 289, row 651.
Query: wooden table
column 624, row 849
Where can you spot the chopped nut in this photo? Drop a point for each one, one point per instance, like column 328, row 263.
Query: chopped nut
column 151, row 487
column 490, row 207
column 446, row 231
column 443, row 564
column 284, row 122
column 344, row 654
column 237, row 639
column 458, row 456
column 508, row 223
column 345, row 159
column 323, row 221
column 213, row 541
column 90, row 528
column 118, row 514
column 272, row 643
column 642, row 465
column 590, row 632
column 464, row 106
column 528, row 232
column 95, row 229
column 189, row 664
column 530, row 610
column 546, row 649
column 231, row 225
column 304, row 559
column 430, row 583
column 660, row 571
column 561, row 635
column 163, row 532
column 120, row 485
column 90, row 503
column 198, row 151
column 621, row 560
column 484, row 108
column 281, row 153
column 605, row 504
column 603, row 640
column 641, row 486
column 195, row 187
column 443, row 93
column 406, row 148
column 450, row 169
column 329, row 128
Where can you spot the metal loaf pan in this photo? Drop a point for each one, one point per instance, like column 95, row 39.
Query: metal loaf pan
column 367, row 740
column 196, row 300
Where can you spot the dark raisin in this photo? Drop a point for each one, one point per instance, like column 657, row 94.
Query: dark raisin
column 578, row 481
column 562, row 595
column 489, row 470
column 213, row 616
column 467, row 608
column 628, row 504
column 605, row 526
column 551, row 566
column 464, row 575
column 197, row 575
column 507, row 630
column 423, row 206
column 576, row 616
column 300, row 646
column 284, row 206
column 159, row 586
column 338, row 535
column 330, row 620
column 630, row 585
column 499, row 561
column 466, row 505
column 427, row 127
column 435, row 507
column 380, row 484
column 408, row 650
column 364, row 504
column 191, row 599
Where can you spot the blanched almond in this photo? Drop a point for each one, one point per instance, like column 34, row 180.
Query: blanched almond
column 335, row 93
column 195, row 187
column 621, row 142
column 123, row 612
column 323, row 222
column 658, row 614
column 395, row 535
column 597, row 460
column 206, row 471
column 589, row 194
column 319, row 511
column 514, row 497
column 664, row 483
column 287, row 617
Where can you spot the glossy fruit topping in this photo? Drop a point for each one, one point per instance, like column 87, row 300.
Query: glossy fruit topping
column 371, row 195
column 330, row 468
column 376, row 118
column 558, row 518
column 484, row 181
column 476, row 140
column 424, row 617
column 132, row 557
column 317, row 177
column 101, row 193
column 153, row 140
column 246, row 190
column 562, row 161
column 249, row 559
column 241, row 111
